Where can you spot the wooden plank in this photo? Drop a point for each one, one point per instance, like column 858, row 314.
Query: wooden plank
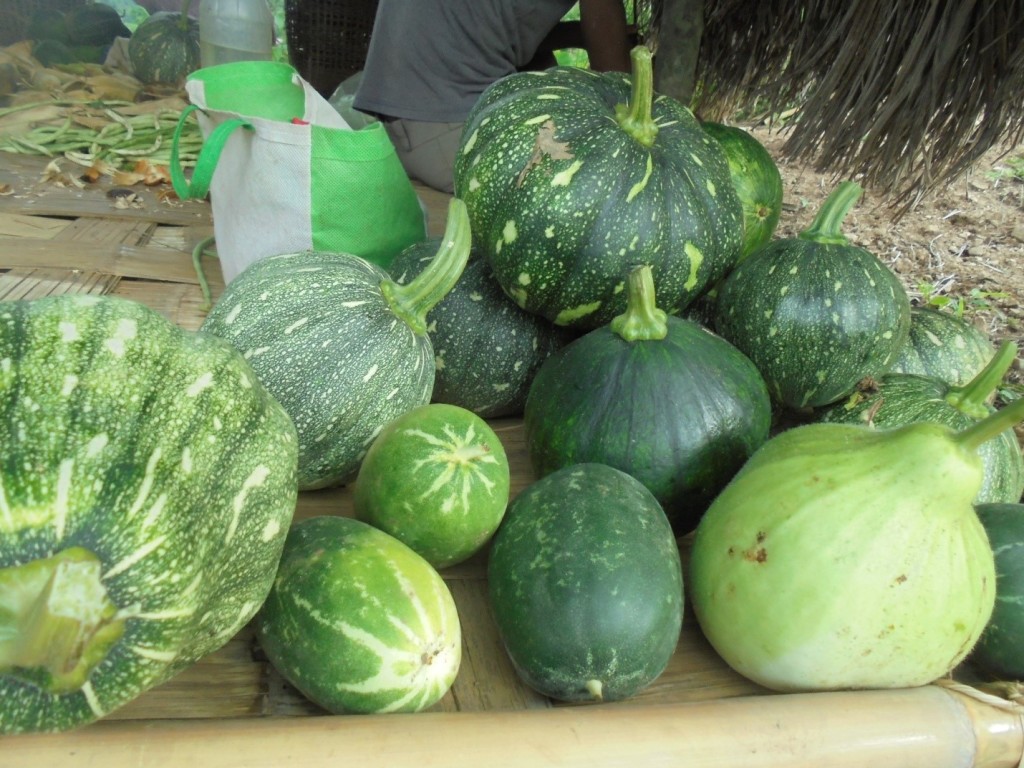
column 19, row 225
column 18, row 284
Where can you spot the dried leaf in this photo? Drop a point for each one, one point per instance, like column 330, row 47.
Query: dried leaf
column 6, row 189
column 152, row 174
column 127, row 178
column 545, row 145
column 57, row 175
column 129, row 201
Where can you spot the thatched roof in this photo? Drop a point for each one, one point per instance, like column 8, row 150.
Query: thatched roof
column 906, row 92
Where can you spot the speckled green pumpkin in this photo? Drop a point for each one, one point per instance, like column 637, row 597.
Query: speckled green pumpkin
column 342, row 346
column 486, row 349
column 146, row 487
column 895, row 399
column 574, row 177
column 586, row 585
column 815, row 313
column 164, row 48
column 945, row 346
column 658, row 397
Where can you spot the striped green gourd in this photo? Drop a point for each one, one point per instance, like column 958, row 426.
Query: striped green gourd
column 895, row 399
column 486, row 348
column 815, row 313
column 147, row 484
column 437, row 479
column 358, row 622
column 342, row 346
column 573, row 177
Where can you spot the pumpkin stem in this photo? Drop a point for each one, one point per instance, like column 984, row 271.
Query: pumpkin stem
column 991, row 426
column 642, row 320
column 412, row 301
column 186, row 6
column 973, row 396
column 635, row 116
column 826, row 227
column 56, row 620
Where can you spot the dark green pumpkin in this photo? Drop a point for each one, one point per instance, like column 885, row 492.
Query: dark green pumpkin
column 1000, row 651
column 586, row 585
column 895, row 399
column 944, row 346
column 656, row 396
column 94, row 24
column 815, row 313
column 486, row 349
column 757, row 181
column 165, row 48
column 573, row 177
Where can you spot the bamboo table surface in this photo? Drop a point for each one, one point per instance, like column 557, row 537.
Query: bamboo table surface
column 61, row 239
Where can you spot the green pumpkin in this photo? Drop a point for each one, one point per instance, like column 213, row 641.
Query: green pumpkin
column 164, row 48
column 342, row 346
column 146, row 487
column 895, row 399
column 815, row 313
column 944, row 346
column 574, row 177
column 658, row 397
column 487, row 350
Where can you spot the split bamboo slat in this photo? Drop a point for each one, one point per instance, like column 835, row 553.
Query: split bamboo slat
column 232, row 709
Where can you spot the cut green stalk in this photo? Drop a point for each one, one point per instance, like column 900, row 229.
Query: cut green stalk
column 826, row 227
column 991, row 426
column 642, row 320
column 634, row 117
column 973, row 397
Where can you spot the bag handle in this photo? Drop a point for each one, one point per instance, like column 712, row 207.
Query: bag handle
column 208, row 158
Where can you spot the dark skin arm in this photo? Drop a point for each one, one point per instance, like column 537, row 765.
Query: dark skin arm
column 601, row 30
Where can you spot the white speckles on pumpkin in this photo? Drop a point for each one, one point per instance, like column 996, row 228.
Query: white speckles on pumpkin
column 768, row 314
column 783, row 290
column 771, row 269
column 126, row 330
column 296, row 325
column 773, row 331
column 887, row 335
column 467, row 148
column 68, row 332
column 564, row 178
column 134, row 557
column 619, row 287
column 475, row 296
column 509, row 233
column 256, row 479
column 474, row 184
column 567, row 316
column 838, row 286
column 696, row 258
column 270, row 531
column 96, row 445
column 68, row 385
column 828, row 302
column 639, row 187
column 232, row 314
column 712, row 190
column 371, row 373
column 696, row 159
column 795, row 269
column 186, row 460
column 523, row 278
column 537, row 120
column 201, row 383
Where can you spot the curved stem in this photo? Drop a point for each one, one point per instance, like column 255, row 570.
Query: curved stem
column 642, row 320
column 635, row 116
column 186, row 6
column 411, row 302
column 991, row 426
column 827, row 225
column 972, row 398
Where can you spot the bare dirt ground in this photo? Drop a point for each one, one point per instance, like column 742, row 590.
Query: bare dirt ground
column 962, row 244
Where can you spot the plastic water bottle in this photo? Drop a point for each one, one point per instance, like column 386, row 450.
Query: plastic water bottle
column 235, row 30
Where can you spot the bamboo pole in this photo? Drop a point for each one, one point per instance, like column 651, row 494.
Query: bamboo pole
column 928, row 727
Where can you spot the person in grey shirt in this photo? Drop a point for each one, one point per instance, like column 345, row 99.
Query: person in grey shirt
column 429, row 61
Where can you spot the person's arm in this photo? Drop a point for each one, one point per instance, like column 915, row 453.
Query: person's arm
column 605, row 35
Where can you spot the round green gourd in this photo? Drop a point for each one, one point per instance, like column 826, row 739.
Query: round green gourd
column 895, row 399
column 657, row 397
column 573, row 177
column 944, row 346
column 358, row 622
column 164, row 48
column 814, row 313
column 586, row 585
column 94, row 24
column 846, row 557
column 147, row 484
column 342, row 347
column 437, row 479
column 1000, row 651
column 486, row 349
column 757, row 181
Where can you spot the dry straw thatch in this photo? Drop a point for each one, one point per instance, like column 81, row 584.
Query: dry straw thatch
column 906, row 93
